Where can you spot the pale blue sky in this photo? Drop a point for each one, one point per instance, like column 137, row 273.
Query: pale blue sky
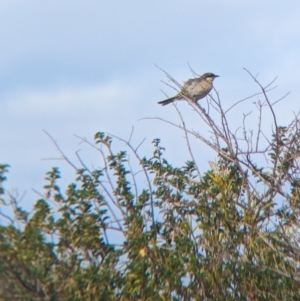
column 78, row 67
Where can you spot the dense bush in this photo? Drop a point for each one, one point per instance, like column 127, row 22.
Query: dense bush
column 231, row 233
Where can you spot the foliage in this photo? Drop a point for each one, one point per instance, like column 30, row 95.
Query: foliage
column 229, row 234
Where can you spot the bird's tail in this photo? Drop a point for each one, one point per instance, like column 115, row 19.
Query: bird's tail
column 167, row 101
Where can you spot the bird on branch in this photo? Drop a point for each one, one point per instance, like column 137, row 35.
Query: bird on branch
column 193, row 89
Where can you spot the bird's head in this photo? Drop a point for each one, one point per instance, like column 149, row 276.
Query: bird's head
column 209, row 76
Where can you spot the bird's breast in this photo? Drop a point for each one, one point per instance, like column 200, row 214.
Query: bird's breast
column 201, row 90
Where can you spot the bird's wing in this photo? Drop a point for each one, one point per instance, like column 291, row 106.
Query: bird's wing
column 189, row 82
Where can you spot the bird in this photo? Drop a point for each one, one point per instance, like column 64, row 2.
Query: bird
column 195, row 89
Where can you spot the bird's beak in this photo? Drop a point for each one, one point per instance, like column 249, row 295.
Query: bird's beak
column 217, row 75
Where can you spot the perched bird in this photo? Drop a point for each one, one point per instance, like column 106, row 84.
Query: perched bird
column 194, row 89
